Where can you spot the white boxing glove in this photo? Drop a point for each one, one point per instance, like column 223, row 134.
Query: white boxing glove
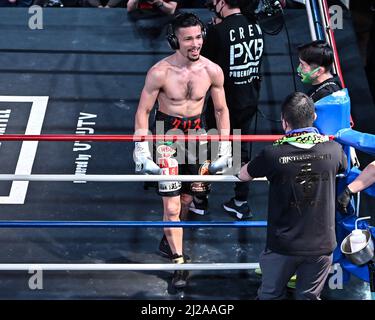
column 143, row 160
column 223, row 160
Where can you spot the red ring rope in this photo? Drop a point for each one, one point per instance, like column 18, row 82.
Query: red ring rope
column 132, row 138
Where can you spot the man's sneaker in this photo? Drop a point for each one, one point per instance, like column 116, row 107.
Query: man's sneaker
column 166, row 252
column 180, row 277
column 292, row 282
column 258, row 271
column 241, row 212
column 199, row 205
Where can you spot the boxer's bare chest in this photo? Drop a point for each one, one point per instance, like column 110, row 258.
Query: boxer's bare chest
column 184, row 84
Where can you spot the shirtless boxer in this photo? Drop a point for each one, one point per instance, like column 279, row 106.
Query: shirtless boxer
column 180, row 83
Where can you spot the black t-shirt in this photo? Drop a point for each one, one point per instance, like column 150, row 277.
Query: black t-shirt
column 236, row 45
column 324, row 89
column 301, row 207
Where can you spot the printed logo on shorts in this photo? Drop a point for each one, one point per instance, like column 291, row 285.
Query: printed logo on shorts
column 166, row 151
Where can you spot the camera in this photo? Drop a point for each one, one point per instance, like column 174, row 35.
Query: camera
column 269, row 7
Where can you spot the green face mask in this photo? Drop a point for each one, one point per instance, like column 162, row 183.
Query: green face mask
column 306, row 77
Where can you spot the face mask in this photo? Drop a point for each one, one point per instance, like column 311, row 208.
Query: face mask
column 306, row 77
column 218, row 13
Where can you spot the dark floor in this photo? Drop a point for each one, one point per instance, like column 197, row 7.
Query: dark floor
column 92, row 64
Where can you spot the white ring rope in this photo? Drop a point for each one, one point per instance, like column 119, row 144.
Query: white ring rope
column 121, row 178
column 125, row 267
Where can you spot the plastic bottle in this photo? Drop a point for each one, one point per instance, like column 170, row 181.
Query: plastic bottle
column 357, row 240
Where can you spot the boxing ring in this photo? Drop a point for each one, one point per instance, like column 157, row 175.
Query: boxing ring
column 129, row 224
column 65, row 65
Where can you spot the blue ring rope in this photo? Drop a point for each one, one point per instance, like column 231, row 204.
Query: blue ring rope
column 129, row 224
column 318, row 24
